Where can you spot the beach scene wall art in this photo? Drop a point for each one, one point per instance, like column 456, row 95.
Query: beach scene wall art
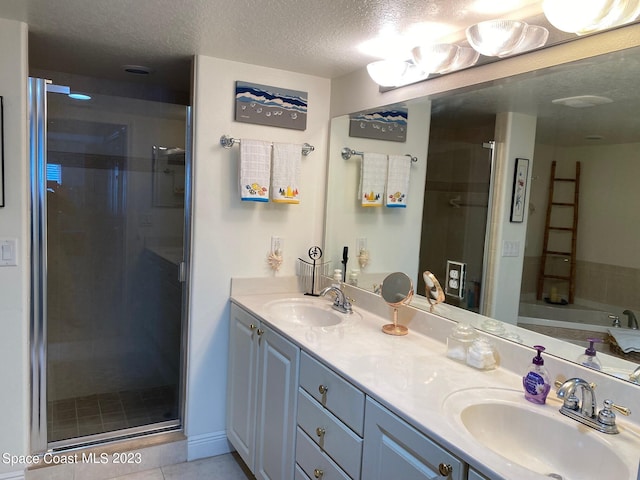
column 271, row 106
column 380, row 125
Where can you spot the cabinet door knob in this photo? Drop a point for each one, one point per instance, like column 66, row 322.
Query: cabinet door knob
column 318, row 473
column 260, row 332
column 445, row 469
column 323, row 389
column 252, row 327
column 320, row 432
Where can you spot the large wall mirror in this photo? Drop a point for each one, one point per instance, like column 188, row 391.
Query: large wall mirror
column 451, row 189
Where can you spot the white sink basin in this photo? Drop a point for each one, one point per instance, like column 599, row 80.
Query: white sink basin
column 307, row 312
column 535, row 437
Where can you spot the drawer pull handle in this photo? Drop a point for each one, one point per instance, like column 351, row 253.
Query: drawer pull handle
column 318, row 473
column 445, row 469
column 323, row 389
column 320, row 432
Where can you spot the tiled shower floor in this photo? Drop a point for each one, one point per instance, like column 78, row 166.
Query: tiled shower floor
column 92, row 414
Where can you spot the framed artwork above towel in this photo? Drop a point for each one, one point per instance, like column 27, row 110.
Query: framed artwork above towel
column 271, row 106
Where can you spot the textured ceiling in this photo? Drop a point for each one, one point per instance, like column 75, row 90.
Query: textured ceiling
column 614, row 75
column 317, row 37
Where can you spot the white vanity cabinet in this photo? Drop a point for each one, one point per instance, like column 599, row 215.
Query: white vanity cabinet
column 330, row 423
column 262, row 396
column 394, row 449
column 473, row 475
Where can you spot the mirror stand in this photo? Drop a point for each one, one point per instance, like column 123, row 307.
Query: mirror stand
column 394, row 328
column 396, row 290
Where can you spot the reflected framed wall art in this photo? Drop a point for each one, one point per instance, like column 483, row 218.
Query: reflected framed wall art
column 519, row 190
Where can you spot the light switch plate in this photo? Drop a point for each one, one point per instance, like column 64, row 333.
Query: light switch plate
column 8, row 252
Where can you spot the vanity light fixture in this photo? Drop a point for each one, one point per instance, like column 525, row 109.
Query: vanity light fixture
column 388, row 73
column 534, row 37
column 496, row 38
column 588, row 16
column 499, row 38
column 435, row 58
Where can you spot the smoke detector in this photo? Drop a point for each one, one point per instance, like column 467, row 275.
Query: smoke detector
column 582, row 101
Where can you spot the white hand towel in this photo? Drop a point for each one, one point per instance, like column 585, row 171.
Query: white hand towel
column 628, row 340
column 285, row 173
column 373, row 177
column 398, row 181
column 254, row 170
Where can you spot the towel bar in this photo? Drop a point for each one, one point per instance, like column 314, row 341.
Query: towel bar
column 347, row 153
column 227, row 142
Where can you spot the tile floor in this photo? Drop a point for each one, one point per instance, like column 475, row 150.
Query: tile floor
column 77, row 417
column 222, row 467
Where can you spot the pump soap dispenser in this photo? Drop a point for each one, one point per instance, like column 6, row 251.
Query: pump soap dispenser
column 536, row 380
column 588, row 358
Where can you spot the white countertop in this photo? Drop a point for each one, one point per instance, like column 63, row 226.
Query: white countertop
column 412, row 377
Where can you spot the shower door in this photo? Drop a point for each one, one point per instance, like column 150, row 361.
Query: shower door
column 108, row 267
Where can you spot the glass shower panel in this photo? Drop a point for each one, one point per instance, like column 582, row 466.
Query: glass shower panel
column 114, row 254
column 456, row 205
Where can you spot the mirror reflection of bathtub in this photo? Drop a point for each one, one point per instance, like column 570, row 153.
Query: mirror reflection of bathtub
column 574, row 323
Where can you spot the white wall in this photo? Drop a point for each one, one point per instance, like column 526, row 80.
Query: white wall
column 14, row 223
column 232, row 238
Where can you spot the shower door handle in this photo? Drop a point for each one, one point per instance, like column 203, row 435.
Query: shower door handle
column 182, row 273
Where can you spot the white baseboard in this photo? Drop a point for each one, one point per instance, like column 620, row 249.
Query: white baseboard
column 12, row 476
column 207, row 445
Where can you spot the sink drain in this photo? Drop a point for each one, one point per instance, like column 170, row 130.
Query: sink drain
column 554, row 475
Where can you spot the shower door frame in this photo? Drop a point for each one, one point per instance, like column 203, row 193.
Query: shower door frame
column 37, row 99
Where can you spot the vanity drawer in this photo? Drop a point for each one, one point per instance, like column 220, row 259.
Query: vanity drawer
column 299, row 474
column 340, row 397
column 315, row 463
column 338, row 441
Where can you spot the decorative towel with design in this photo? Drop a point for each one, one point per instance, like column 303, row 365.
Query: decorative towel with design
column 398, row 178
column 285, row 173
column 373, row 177
column 254, row 170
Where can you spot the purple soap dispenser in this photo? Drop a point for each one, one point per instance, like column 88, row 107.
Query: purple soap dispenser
column 536, row 381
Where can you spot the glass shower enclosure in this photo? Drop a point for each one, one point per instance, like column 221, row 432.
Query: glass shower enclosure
column 110, row 198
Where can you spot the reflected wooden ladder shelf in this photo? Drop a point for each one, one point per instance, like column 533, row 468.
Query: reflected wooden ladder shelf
column 569, row 253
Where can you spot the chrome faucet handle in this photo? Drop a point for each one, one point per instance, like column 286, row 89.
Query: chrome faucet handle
column 608, row 404
column 616, row 321
column 607, row 418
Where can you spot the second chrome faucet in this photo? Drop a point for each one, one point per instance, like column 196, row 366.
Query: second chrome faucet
column 584, row 409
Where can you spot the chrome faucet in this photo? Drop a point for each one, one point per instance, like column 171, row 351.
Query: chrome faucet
column 341, row 302
column 632, row 321
column 585, row 411
column 635, row 376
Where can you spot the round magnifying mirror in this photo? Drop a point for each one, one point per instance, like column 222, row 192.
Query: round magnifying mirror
column 396, row 290
column 435, row 294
